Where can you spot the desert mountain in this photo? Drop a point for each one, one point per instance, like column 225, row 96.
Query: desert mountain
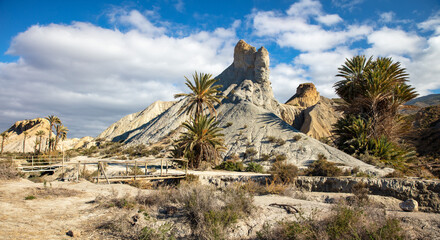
column 251, row 116
column 14, row 143
column 135, row 120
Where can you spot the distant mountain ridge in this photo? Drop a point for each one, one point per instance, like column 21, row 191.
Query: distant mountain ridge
column 425, row 101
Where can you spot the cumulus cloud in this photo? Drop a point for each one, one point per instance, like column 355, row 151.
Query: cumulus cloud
column 324, row 44
column 91, row 76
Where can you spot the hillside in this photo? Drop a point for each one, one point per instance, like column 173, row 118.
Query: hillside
column 251, row 117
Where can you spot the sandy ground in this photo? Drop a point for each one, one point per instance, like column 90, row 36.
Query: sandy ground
column 50, row 217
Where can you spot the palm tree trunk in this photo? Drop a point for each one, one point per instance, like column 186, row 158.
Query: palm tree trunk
column 24, row 143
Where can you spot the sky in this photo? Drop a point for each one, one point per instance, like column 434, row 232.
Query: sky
column 92, row 62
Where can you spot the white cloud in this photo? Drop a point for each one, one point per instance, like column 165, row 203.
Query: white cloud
column 387, row 16
column 388, row 41
column 329, row 19
column 432, row 24
column 84, row 73
column 305, row 8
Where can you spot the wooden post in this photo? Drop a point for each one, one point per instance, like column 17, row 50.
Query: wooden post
column 146, row 168
column 166, row 162
column 161, row 167
column 62, row 168
column 105, row 175
column 135, row 169
column 77, row 172
column 97, row 176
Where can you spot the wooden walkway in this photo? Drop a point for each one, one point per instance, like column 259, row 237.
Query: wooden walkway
column 135, row 166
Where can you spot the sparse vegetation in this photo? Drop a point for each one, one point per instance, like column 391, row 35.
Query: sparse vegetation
column 277, row 141
column 231, row 166
column 322, row 167
column 250, row 153
column 283, row 172
column 8, row 170
column 254, row 167
column 344, row 223
column 280, row 157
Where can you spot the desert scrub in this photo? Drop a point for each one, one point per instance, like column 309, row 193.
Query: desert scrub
column 211, row 213
column 280, row 157
column 322, row 167
column 228, row 124
column 265, row 157
column 344, row 222
column 283, row 172
column 8, row 170
column 254, row 167
column 250, row 153
column 277, row 141
column 30, row 197
column 231, row 166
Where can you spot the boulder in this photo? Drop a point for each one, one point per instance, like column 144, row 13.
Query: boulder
column 409, row 205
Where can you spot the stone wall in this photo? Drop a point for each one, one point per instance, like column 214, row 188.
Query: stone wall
column 426, row 193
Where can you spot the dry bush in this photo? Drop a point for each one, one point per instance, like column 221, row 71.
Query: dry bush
column 131, row 226
column 360, row 191
column 343, row 223
column 8, row 170
column 283, row 172
column 53, row 192
column 322, row 167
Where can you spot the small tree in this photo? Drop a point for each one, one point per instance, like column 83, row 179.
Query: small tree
column 24, row 140
column 39, row 134
column 5, row 136
column 52, row 121
column 202, row 141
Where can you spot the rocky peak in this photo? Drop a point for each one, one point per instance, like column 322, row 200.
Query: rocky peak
column 306, row 95
column 247, row 78
column 25, row 125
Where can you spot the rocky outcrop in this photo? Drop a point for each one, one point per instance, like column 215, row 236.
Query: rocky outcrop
column 135, row 120
column 250, row 116
column 306, row 96
column 14, row 142
column 426, row 193
column 310, row 113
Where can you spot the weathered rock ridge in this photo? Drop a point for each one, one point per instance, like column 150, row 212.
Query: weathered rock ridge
column 135, row 120
column 14, row 142
column 251, row 116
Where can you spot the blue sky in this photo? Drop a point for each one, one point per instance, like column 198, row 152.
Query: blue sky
column 92, row 62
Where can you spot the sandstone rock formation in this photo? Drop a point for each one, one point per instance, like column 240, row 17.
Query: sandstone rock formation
column 255, row 116
column 312, row 114
column 14, row 143
column 135, row 120
column 306, row 96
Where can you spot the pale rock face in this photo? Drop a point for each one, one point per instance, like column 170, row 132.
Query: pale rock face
column 135, row 120
column 255, row 116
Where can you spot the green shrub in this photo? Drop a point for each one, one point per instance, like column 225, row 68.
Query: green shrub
column 265, row 157
column 231, row 166
column 322, row 167
column 280, row 158
column 250, row 153
column 283, row 173
column 254, row 167
column 228, row 124
column 30, row 197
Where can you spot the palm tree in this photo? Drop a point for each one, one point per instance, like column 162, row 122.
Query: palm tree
column 61, row 133
column 24, row 140
column 39, row 134
column 52, row 121
column 204, row 95
column 374, row 90
column 202, row 141
column 5, row 136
